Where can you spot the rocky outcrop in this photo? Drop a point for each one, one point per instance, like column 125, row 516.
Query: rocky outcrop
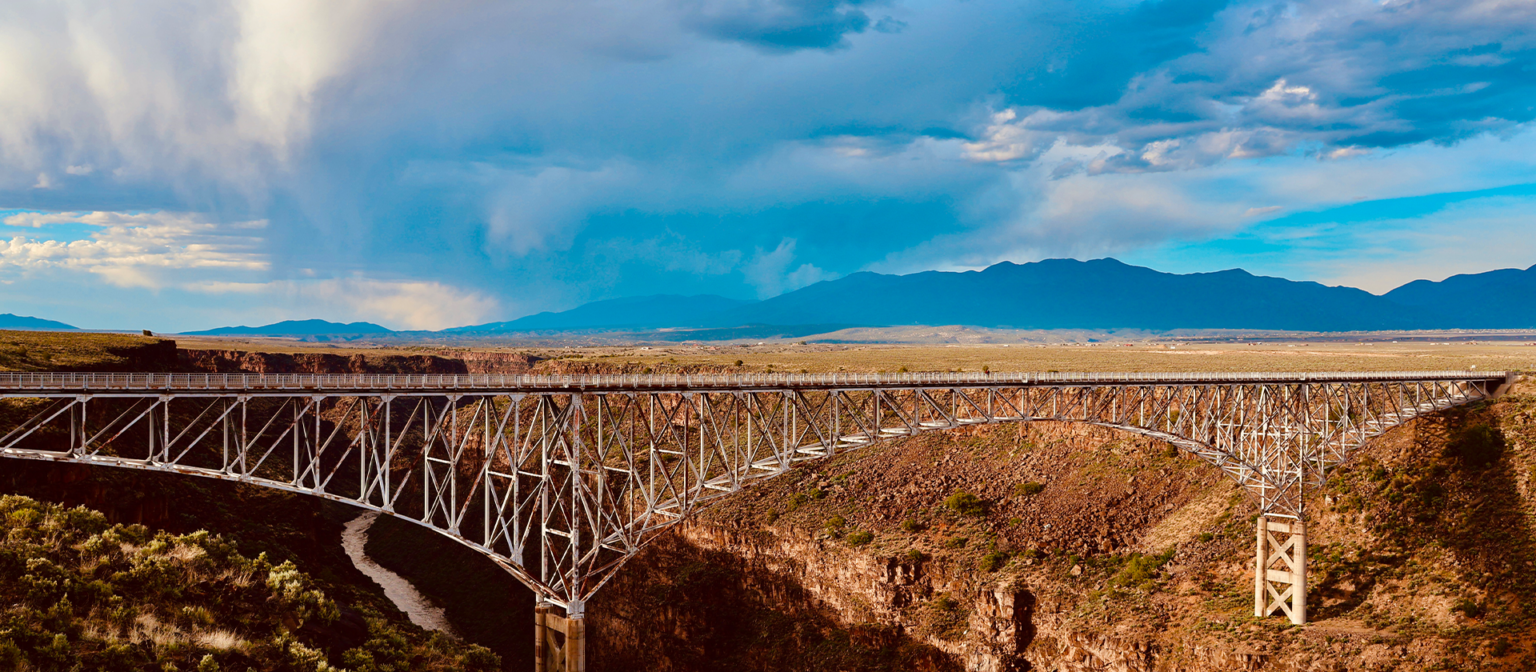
column 863, row 587
column 236, row 361
column 497, row 362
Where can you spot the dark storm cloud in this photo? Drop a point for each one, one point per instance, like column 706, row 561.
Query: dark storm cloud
column 545, row 153
column 782, row 25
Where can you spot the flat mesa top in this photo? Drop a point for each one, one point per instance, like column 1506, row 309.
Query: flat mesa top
column 17, row 383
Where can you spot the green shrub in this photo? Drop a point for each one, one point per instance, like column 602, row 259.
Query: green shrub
column 957, row 542
column 1477, row 445
column 835, row 524
column 945, row 618
column 915, row 555
column 101, row 579
column 993, row 561
column 1468, row 608
column 860, row 538
column 912, row 525
column 1028, row 489
column 1140, row 570
column 966, row 504
column 795, row 501
column 816, row 493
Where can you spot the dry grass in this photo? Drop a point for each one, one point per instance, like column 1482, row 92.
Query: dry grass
column 821, row 358
column 41, row 351
column 1107, row 357
column 50, row 350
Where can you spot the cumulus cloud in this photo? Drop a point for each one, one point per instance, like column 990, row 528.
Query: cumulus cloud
column 1008, row 138
column 136, row 249
column 183, row 252
column 400, row 304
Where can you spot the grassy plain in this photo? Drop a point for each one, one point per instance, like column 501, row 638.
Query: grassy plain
column 1171, row 356
column 1105, row 357
column 38, row 351
column 62, row 351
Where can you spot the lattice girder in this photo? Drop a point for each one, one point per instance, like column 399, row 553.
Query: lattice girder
column 561, row 479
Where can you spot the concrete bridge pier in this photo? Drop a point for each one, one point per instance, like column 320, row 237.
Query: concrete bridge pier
column 560, row 642
column 1280, row 569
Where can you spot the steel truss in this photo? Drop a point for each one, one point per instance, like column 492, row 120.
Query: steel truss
column 561, row 479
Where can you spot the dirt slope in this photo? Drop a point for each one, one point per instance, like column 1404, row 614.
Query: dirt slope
column 1128, row 558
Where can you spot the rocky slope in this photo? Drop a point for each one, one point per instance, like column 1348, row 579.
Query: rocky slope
column 1128, row 558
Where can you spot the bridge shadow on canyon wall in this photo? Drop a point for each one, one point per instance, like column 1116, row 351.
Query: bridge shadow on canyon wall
column 1451, row 484
column 678, row 607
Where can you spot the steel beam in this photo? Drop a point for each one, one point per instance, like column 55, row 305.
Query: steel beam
column 572, row 475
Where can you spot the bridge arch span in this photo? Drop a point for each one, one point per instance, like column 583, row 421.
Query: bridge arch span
column 561, row 479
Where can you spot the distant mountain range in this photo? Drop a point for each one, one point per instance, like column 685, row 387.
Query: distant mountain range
column 661, row 311
column 9, row 321
column 300, row 328
column 1068, row 294
column 1101, row 294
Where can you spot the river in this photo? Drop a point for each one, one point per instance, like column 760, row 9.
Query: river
column 416, row 606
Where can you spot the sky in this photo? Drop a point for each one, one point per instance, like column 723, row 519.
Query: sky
column 185, row 164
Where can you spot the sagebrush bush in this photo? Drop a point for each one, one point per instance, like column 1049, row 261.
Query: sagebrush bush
column 966, row 504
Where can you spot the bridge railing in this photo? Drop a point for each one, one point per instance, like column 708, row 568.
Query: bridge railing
column 236, row 382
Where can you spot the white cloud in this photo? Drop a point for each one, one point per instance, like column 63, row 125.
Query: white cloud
column 137, row 249
column 1008, row 138
column 407, row 304
column 159, row 250
column 770, row 274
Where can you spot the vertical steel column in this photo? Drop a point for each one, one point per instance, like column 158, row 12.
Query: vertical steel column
column 1260, row 584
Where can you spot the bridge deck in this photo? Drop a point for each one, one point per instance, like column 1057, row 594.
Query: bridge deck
column 50, row 384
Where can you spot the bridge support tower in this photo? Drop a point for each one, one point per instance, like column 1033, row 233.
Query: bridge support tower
column 1280, row 569
column 560, row 642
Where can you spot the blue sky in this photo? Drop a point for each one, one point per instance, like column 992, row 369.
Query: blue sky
column 175, row 166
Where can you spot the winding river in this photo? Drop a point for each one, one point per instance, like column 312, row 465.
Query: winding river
column 416, row 606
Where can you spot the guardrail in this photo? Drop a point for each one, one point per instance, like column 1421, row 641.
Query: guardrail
column 238, row 382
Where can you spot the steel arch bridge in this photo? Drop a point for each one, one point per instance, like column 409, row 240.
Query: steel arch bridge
column 561, row 479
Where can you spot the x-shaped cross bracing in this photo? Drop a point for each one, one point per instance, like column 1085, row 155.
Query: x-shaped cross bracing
column 561, row 479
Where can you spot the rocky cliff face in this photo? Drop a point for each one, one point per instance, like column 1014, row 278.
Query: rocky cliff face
column 1129, row 559
column 236, row 361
